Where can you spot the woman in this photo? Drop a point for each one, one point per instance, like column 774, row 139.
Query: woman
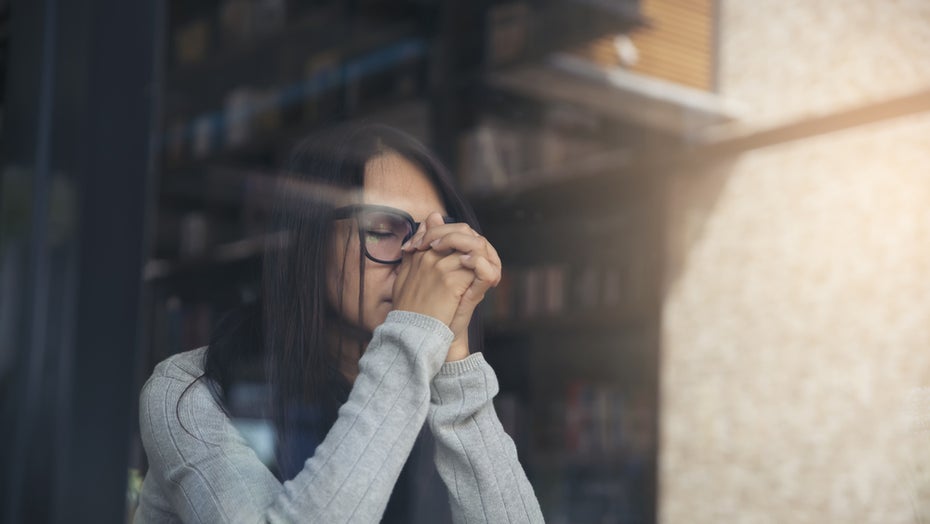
column 363, row 335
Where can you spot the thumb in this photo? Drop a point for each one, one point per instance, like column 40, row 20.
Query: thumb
column 434, row 219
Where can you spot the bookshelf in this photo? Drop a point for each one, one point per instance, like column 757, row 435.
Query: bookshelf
column 580, row 303
column 550, row 149
column 619, row 92
column 256, row 119
column 564, row 160
column 526, row 32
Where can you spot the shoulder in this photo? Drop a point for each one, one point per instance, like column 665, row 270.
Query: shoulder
column 186, row 366
column 177, row 397
column 177, row 379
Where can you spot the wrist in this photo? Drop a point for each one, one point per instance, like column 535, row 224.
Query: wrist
column 458, row 350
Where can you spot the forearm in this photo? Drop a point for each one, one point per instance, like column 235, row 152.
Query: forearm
column 352, row 473
column 475, row 457
column 203, row 471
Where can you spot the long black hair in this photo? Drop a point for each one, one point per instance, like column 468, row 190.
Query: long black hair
column 286, row 337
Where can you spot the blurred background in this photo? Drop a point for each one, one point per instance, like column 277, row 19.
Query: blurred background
column 714, row 219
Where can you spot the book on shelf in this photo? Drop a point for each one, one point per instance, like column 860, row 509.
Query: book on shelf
column 499, row 154
column 202, row 237
column 330, row 86
column 508, row 31
column 592, row 454
column 519, row 32
column 596, row 425
column 233, row 24
column 593, row 423
column 323, row 78
column 192, row 42
column 550, row 290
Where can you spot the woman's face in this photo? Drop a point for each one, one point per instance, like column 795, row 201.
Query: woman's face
column 393, row 181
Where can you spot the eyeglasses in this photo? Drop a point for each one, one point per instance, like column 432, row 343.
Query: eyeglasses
column 383, row 230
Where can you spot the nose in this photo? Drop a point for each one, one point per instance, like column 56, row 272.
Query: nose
column 395, row 268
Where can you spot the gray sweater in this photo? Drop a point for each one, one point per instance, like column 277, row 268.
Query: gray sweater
column 202, row 470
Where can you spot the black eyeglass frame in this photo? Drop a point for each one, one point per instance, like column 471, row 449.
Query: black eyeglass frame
column 352, row 211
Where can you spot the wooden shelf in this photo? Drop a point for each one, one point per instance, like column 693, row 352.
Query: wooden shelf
column 222, row 255
column 595, row 319
column 619, row 93
column 562, row 460
column 318, row 30
column 559, row 25
column 409, row 114
column 606, row 180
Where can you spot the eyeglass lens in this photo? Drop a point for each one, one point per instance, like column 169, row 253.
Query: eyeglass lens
column 384, row 233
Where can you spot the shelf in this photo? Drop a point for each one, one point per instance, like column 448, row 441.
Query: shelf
column 191, row 75
column 552, row 182
column 222, row 255
column 609, row 180
column 618, row 93
column 397, row 49
column 528, row 34
column 317, row 31
column 561, row 460
column 591, row 320
column 407, row 114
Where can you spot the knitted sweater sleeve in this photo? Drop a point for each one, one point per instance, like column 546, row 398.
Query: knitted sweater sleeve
column 475, row 457
column 205, row 472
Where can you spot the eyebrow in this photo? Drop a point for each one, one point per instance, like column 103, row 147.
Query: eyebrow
column 448, row 219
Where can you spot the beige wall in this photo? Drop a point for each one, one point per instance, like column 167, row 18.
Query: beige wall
column 790, row 58
column 797, row 312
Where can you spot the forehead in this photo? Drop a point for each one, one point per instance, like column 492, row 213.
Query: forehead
column 392, row 180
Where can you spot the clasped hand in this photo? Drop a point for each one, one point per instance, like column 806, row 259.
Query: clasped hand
column 445, row 272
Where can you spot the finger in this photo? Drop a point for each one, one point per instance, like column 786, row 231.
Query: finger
column 493, row 257
column 440, row 262
column 474, row 294
column 439, row 230
column 448, row 263
column 485, row 271
column 461, row 242
column 454, row 271
column 432, row 220
column 414, row 241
